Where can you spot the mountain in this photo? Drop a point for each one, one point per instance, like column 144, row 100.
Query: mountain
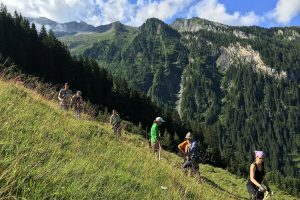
column 72, row 28
column 237, row 87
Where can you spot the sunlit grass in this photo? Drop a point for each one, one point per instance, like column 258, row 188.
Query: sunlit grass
column 47, row 154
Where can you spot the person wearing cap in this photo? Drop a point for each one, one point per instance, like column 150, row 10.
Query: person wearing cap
column 191, row 156
column 77, row 104
column 64, row 97
column 257, row 177
column 155, row 133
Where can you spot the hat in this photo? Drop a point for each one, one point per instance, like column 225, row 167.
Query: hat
column 189, row 135
column 259, row 154
column 159, row 119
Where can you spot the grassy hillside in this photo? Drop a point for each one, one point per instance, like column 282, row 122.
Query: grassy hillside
column 82, row 41
column 47, row 154
column 78, row 43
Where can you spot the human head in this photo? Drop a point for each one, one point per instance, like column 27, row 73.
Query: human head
column 189, row 136
column 159, row 120
column 79, row 92
column 114, row 111
column 67, row 85
column 259, row 156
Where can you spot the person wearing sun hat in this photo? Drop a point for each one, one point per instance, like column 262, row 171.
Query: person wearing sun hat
column 191, row 156
column 155, row 133
column 257, row 177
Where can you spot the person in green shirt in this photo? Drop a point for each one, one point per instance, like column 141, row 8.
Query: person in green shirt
column 155, row 133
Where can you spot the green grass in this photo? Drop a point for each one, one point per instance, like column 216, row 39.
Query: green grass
column 80, row 42
column 48, row 154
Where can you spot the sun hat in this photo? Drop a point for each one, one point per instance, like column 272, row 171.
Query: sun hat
column 188, row 135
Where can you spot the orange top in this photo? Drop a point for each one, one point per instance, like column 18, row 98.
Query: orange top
column 184, row 146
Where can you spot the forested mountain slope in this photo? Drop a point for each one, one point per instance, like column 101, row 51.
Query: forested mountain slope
column 237, row 86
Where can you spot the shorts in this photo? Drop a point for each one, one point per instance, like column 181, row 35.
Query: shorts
column 253, row 192
column 155, row 146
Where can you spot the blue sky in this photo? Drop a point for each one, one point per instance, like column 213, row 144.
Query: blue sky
column 265, row 13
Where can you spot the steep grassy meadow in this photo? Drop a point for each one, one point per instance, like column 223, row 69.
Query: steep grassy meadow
column 79, row 42
column 48, row 154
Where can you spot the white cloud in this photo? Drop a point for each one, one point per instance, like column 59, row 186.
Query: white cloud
column 59, row 10
column 108, row 11
column 98, row 12
column 163, row 10
column 215, row 11
column 285, row 11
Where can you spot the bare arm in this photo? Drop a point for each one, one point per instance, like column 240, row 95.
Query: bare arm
column 59, row 94
column 110, row 120
column 252, row 172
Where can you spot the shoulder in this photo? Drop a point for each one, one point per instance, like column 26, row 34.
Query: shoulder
column 253, row 166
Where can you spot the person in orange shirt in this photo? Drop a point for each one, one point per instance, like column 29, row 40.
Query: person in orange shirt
column 183, row 148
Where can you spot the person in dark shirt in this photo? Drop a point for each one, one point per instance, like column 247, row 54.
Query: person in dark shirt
column 257, row 178
column 77, row 104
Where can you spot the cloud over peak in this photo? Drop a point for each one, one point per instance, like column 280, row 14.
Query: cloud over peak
column 215, row 11
column 135, row 12
column 285, row 11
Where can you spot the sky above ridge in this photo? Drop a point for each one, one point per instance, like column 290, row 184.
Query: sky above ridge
column 266, row 13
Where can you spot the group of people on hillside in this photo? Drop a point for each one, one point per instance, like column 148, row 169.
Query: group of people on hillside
column 257, row 184
column 189, row 148
column 69, row 100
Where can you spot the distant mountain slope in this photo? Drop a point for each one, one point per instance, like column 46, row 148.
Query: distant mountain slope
column 71, row 28
column 81, row 41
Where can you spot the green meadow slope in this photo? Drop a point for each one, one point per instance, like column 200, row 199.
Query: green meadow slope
column 80, row 42
column 48, row 154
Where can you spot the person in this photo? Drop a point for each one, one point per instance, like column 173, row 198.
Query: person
column 257, row 178
column 77, row 104
column 191, row 156
column 115, row 122
column 64, row 97
column 18, row 80
column 154, row 134
column 183, row 148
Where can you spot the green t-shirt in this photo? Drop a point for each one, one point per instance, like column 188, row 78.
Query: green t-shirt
column 154, row 132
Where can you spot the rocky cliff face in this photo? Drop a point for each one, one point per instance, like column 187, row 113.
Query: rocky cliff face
column 235, row 54
column 196, row 24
